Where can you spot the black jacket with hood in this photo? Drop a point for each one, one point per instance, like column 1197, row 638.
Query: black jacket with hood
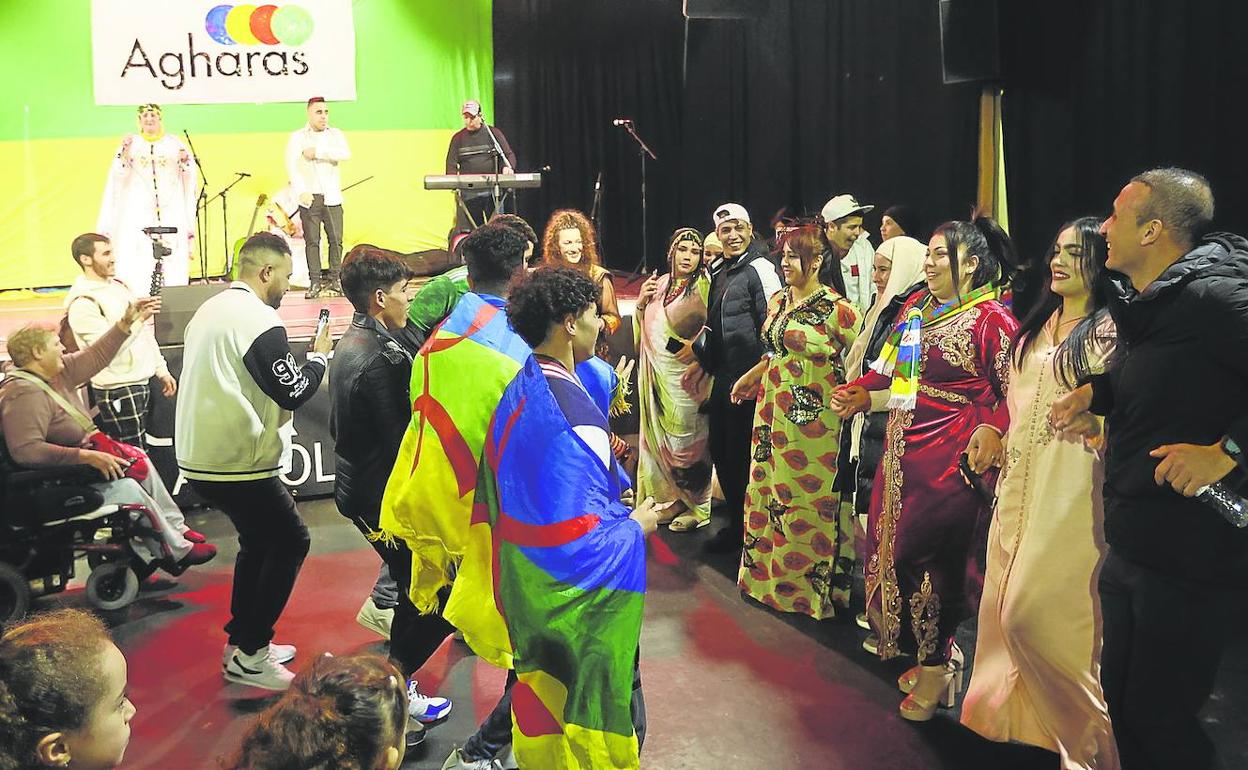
column 1180, row 376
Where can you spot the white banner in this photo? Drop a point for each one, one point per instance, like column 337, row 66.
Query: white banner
column 205, row 52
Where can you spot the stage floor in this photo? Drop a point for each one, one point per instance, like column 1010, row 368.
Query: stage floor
column 19, row 308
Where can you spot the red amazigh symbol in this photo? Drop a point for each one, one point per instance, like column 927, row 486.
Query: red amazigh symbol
column 430, row 411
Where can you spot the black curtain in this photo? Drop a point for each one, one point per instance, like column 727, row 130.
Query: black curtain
column 809, row 99
column 817, row 98
column 563, row 69
column 1097, row 92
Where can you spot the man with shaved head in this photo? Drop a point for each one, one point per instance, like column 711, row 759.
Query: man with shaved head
column 240, row 382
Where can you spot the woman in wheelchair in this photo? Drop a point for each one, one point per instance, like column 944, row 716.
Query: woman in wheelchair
column 44, row 424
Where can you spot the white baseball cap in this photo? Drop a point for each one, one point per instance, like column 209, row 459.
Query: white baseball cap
column 471, row 107
column 842, row 206
column 728, row 211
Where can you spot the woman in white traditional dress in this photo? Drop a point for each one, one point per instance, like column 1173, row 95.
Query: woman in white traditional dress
column 153, row 182
column 1037, row 660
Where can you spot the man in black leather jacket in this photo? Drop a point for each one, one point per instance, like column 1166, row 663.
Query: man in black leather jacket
column 368, row 383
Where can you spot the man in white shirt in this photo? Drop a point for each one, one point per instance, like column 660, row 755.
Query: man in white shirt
column 312, row 157
column 96, row 300
column 842, row 229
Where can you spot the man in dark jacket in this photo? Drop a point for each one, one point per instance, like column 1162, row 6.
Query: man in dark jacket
column 740, row 290
column 1176, row 402
column 370, row 410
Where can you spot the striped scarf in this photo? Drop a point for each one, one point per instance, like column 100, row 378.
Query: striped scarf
column 900, row 356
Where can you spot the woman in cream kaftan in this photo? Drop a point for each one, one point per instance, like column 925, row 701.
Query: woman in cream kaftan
column 1036, row 677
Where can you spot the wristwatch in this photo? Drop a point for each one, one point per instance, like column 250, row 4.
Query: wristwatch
column 1232, row 450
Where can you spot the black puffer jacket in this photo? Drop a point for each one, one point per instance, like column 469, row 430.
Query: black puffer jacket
column 1181, row 377
column 370, row 410
column 738, row 306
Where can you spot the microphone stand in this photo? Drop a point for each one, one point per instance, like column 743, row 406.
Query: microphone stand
column 499, row 161
column 201, row 210
column 642, row 150
column 225, row 223
column 594, row 213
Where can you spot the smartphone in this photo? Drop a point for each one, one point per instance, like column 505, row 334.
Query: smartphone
column 975, row 481
column 321, row 322
column 674, row 345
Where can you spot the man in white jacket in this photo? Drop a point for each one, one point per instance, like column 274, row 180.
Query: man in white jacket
column 842, row 229
column 312, row 157
column 240, row 383
column 96, row 300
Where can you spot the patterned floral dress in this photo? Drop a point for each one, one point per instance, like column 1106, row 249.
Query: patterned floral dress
column 926, row 529
column 799, row 548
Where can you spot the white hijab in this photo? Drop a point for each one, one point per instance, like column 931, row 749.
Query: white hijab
column 906, row 255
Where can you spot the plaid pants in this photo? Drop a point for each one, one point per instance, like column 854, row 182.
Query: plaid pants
column 123, row 412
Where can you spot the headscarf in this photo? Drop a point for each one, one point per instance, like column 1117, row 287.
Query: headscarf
column 906, row 255
column 674, row 281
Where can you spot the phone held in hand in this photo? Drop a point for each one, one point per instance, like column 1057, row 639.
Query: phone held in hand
column 674, row 345
column 322, row 321
column 975, row 481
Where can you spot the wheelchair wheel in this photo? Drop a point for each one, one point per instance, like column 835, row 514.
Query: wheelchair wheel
column 14, row 594
column 112, row 585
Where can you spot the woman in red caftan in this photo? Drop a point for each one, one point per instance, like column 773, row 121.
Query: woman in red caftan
column 946, row 366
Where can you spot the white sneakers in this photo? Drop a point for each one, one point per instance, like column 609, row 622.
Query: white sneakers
column 282, row 653
column 259, row 670
column 375, row 618
column 425, row 709
column 456, row 761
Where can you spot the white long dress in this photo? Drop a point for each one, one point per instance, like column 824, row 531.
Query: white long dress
column 150, row 183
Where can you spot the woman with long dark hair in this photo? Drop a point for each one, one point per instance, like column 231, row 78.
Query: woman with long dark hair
column 674, row 459
column 1037, row 659
column 946, row 366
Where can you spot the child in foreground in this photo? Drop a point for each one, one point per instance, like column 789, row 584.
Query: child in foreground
column 347, row 713
column 62, row 694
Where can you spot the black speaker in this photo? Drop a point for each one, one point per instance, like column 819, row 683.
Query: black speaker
column 725, row 9
column 968, row 40
column 177, row 305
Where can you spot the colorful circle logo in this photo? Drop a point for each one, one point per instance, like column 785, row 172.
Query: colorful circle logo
column 247, row 24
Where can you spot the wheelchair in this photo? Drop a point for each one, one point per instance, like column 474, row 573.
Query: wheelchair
column 50, row 517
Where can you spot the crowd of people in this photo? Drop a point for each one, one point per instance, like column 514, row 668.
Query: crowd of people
column 1037, row 460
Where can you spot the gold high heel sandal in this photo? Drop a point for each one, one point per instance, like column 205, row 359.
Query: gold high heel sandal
column 906, row 681
column 937, row 686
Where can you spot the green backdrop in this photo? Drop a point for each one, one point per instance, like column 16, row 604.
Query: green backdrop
column 416, row 63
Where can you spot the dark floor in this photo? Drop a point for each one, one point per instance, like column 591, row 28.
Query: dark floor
column 728, row 683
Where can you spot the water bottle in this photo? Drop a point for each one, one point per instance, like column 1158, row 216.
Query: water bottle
column 1229, row 505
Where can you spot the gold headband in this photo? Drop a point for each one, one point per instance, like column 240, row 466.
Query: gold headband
column 149, row 107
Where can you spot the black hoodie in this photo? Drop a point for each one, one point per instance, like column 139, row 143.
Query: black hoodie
column 1180, row 377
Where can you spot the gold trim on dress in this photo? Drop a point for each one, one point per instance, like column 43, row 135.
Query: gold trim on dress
column 934, row 392
column 925, row 618
column 882, row 568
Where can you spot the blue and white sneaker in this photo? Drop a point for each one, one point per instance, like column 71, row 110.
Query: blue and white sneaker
column 424, row 709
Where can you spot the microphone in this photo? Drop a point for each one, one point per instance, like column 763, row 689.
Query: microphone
column 545, row 169
column 160, row 230
column 622, row 122
column 241, row 173
column 598, row 182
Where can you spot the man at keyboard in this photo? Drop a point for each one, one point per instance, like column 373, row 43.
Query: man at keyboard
column 475, row 149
